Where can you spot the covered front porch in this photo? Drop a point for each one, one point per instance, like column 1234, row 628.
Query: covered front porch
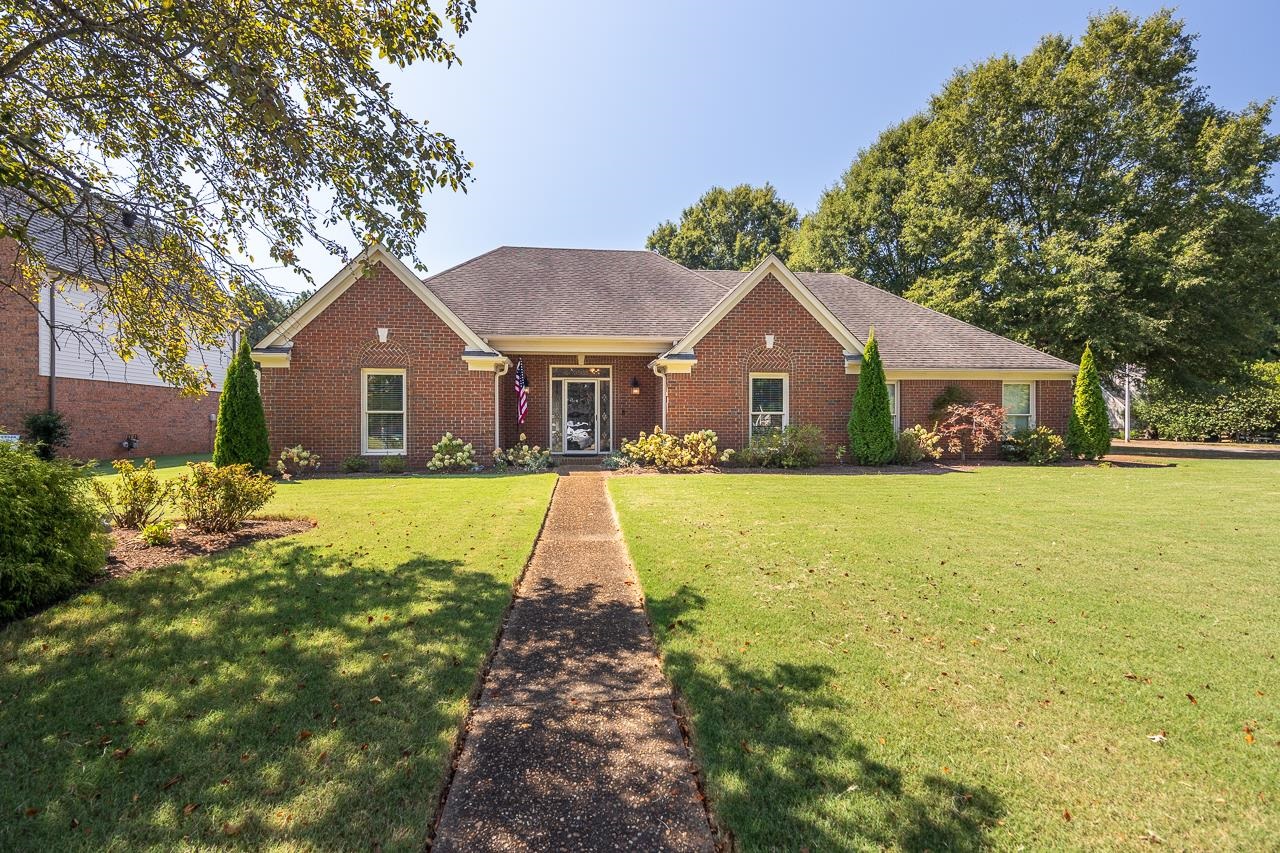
column 580, row 405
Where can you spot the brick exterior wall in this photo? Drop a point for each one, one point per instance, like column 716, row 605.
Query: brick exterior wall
column 715, row 395
column 1053, row 404
column 316, row 401
column 100, row 414
column 631, row 413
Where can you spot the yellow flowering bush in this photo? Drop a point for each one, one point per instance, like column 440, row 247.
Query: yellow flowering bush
column 664, row 451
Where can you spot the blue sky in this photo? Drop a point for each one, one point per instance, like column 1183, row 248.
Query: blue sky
column 590, row 122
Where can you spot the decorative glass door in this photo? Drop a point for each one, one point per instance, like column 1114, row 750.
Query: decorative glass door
column 581, row 409
column 581, row 416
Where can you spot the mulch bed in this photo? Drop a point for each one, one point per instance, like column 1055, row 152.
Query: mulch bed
column 130, row 554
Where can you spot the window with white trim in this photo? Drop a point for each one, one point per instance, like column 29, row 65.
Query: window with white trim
column 382, row 430
column 893, row 404
column 1019, row 406
column 768, row 403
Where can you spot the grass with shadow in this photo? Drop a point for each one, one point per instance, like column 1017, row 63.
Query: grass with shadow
column 166, row 466
column 975, row 661
column 299, row 693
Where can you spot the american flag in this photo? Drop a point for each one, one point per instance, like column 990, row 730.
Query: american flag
column 522, row 393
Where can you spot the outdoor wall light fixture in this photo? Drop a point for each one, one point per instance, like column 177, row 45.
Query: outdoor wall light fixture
column 635, row 387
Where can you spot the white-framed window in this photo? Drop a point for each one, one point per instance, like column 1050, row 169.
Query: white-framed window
column 1019, row 401
column 893, row 405
column 769, row 403
column 382, row 411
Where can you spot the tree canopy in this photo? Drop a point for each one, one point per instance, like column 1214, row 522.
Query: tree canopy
column 1087, row 192
column 170, row 140
column 730, row 229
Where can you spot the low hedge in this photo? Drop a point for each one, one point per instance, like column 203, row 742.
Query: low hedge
column 52, row 540
column 1242, row 410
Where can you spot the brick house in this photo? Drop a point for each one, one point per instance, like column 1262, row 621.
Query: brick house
column 380, row 361
column 48, row 361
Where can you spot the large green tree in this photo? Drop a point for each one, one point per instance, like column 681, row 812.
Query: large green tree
column 1089, row 191
column 729, row 229
column 168, row 141
column 857, row 228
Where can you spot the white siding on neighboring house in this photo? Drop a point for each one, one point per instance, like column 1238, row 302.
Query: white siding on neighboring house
column 97, row 361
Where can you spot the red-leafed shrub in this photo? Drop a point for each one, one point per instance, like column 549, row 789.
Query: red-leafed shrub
column 969, row 428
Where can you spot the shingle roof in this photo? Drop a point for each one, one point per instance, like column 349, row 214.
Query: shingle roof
column 596, row 292
column 65, row 247
column 910, row 336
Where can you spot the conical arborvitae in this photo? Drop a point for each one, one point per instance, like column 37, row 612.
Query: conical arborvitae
column 241, row 437
column 1089, row 430
column 871, row 438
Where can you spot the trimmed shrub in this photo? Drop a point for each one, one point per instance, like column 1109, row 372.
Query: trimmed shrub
column 46, row 431
column 522, row 457
column 391, row 465
column 871, row 438
column 1089, row 429
column 158, row 533
column 915, row 444
column 51, row 535
column 665, row 452
column 297, row 462
column 615, row 461
column 793, row 446
column 215, row 499
column 355, row 464
column 1039, row 446
column 970, row 428
column 1238, row 410
column 137, row 496
column 450, row 454
column 241, row 438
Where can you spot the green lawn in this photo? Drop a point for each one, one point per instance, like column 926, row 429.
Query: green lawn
column 302, row 693
column 975, row 660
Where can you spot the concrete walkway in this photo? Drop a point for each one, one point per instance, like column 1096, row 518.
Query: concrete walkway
column 573, row 744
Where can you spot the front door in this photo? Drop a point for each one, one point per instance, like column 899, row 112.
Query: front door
column 581, row 416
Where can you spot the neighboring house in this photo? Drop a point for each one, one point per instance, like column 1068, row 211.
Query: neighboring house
column 106, row 401
column 382, row 362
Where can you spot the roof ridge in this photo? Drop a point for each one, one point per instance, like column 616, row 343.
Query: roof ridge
column 688, row 269
column 951, row 317
column 576, row 249
column 459, row 266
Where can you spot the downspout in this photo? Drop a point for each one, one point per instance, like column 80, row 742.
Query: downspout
column 498, row 372
column 661, row 373
column 664, row 401
column 53, row 351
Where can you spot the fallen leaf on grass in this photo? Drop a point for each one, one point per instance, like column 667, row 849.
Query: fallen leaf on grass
column 1066, row 814
column 189, row 808
column 376, row 700
column 232, row 829
column 32, row 812
column 1248, row 735
column 120, row 754
column 170, row 782
column 1158, row 737
column 1193, row 699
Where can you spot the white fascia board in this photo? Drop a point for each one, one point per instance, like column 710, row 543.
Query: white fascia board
column 793, row 285
column 579, row 344
column 351, row 273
